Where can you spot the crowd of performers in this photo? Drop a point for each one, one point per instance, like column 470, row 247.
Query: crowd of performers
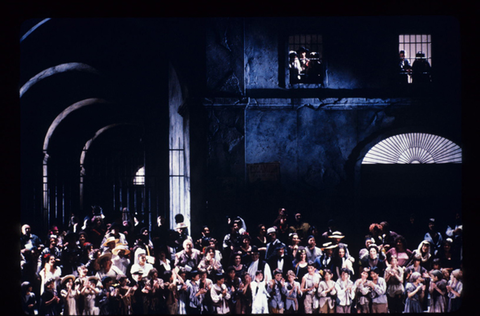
column 122, row 268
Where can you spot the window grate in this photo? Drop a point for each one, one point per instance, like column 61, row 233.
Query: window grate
column 305, row 58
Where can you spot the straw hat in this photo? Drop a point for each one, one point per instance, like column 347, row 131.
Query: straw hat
column 106, row 254
column 119, row 248
column 109, row 240
column 67, row 277
column 336, row 234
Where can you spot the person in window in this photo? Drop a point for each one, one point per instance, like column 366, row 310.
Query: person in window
column 404, row 68
column 294, row 66
column 303, row 53
column 314, row 70
column 421, row 69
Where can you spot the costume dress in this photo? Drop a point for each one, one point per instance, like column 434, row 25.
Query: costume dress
column 438, row 303
column 455, row 302
column 70, row 301
column 412, row 304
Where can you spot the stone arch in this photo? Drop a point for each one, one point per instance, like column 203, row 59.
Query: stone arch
column 62, row 68
column 85, row 149
column 56, row 122
column 32, row 29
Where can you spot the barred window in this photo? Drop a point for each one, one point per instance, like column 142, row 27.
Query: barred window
column 305, row 58
column 417, row 50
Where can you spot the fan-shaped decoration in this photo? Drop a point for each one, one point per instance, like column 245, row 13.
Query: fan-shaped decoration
column 413, row 148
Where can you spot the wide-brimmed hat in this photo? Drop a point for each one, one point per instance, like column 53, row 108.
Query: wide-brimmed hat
column 336, row 234
column 67, row 277
column 105, row 254
column 109, row 240
column 90, row 278
column 119, row 248
column 181, row 225
column 329, row 245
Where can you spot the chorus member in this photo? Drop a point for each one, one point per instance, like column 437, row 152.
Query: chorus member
column 154, row 286
column 273, row 244
column 233, row 285
column 437, row 290
column 309, row 285
column 313, row 252
column 259, row 294
column 433, row 236
column 277, row 290
column 373, row 260
column 260, row 240
column 281, row 260
column 300, row 264
column 245, row 292
column 220, row 295
column 416, row 267
column 120, row 258
column 90, row 292
column 343, row 261
column 415, row 293
column 206, row 284
column 363, row 253
column 326, row 293
column 209, row 263
column 189, row 257
column 106, row 267
column 379, row 289
column 49, row 300
column 400, row 251
column 259, row 264
column 50, row 271
column 454, row 291
column 328, row 260
column 69, row 294
column 395, row 289
column 345, row 293
column 292, row 294
column 125, row 293
column 195, row 294
column 140, row 262
column 363, row 293
column 239, row 267
column 294, row 245
column 29, row 300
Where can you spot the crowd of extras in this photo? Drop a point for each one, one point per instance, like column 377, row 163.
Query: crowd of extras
column 120, row 267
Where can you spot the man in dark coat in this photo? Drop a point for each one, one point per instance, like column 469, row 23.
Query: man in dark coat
column 281, row 260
